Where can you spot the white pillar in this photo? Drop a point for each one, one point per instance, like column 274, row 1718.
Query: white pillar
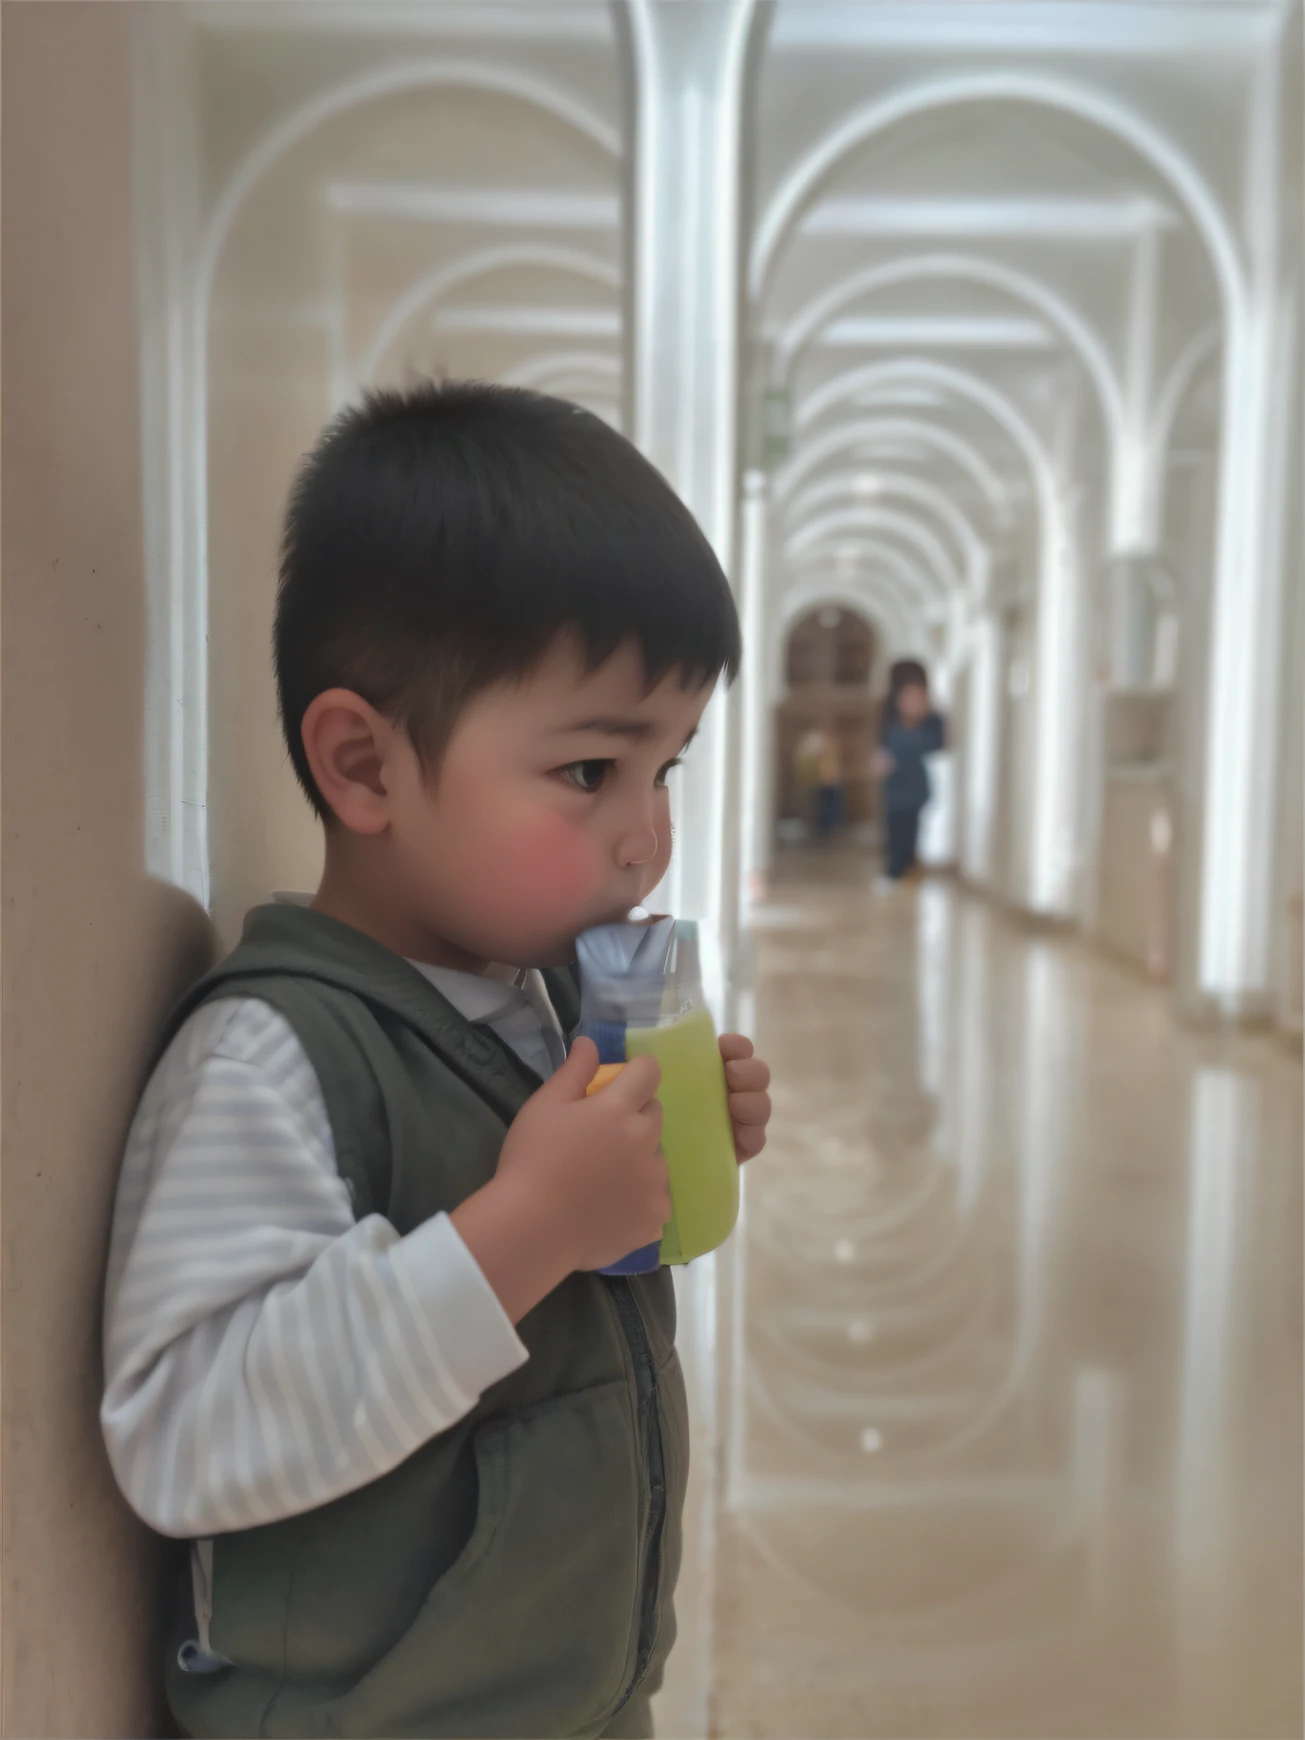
column 754, row 736
column 983, row 762
column 1242, row 699
column 1133, row 463
column 1050, row 884
column 1132, row 624
column 173, row 374
column 689, row 69
column 1246, row 618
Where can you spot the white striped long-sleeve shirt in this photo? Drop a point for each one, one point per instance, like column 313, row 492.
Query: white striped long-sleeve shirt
column 264, row 1351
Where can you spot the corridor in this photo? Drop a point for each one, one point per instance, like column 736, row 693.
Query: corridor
column 970, row 333
column 1005, row 1422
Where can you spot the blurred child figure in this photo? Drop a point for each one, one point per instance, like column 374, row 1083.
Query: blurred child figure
column 820, row 768
column 909, row 731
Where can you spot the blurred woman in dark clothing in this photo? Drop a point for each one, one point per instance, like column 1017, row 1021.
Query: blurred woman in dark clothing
column 909, row 731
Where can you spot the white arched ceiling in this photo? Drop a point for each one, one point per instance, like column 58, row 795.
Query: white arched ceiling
column 832, row 529
column 1240, row 757
column 1078, row 333
column 906, row 581
column 842, row 441
column 1053, row 847
column 945, row 379
column 455, row 274
column 1040, row 90
column 888, row 484
column 944, row 443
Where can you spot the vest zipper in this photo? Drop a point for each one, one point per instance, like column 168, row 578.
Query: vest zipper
column 647, row 1391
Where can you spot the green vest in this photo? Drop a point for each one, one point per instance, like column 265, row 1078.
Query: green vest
column 514, row 1576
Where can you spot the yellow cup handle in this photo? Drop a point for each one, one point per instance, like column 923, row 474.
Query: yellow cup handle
column 606, row 1072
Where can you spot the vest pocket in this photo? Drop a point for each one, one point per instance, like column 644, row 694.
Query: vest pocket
column 534, row 1628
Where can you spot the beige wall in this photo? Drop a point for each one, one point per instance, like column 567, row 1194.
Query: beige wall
column 90, row 951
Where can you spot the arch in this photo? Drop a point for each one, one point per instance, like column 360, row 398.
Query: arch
column 890, row 483
column 1056, row 769
column 908, row 584
column 537, row 371
column 965, row 456
column 881, row 608
column 1235, row 897
column 853, row 637
column 1000, row 408
column 1177, row 384
column 452, row 275
column 860, row 610
column 390, row 81
column 904, row 526
column 183, row 581
column 868, row 595
column 871, row 592
column 1041, row 90
column 1077, row 332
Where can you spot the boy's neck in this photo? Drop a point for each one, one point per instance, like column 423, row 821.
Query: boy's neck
column 346, row 897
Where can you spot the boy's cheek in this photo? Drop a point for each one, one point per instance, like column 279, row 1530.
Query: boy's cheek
column 544, row 865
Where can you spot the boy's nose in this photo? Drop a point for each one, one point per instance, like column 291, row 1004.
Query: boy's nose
column 637, row 846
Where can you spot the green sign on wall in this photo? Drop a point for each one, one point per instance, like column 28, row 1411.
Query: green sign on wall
column 775, row 425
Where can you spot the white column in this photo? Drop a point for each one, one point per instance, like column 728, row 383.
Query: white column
column 173, row 374
column 1242, row 704
column 984, row 733
column 1132, row 637
column 754, row 806
column 1050, row 884
column 689, row 70
column 1246, row 615
column 1133, row 466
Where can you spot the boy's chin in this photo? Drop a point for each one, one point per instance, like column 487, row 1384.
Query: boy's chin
column 562, row 953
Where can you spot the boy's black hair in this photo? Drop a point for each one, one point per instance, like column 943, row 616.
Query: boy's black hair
column 441, row 539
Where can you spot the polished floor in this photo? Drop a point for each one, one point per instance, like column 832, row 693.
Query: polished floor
column 997, row 1388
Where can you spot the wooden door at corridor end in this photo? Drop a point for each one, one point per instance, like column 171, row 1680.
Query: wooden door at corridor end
column 829, row 660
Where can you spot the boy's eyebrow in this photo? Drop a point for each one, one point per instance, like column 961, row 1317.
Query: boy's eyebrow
column 636, row 730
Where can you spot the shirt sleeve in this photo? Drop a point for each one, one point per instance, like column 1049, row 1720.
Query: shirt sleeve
column 265, row 1353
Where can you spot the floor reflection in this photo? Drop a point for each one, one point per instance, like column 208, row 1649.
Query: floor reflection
column 998, row 1386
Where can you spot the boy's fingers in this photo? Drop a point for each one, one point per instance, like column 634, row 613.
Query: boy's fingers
column 749, row 1108
column 749, row 1140
column 734, row 1046
column 578, row 1071
column 638, row 1082
column 747, row 1076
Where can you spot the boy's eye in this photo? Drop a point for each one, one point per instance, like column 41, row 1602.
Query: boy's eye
column 586, row 775
column 670, row 766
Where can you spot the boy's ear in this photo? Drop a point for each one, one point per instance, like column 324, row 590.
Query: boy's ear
column 348, row 744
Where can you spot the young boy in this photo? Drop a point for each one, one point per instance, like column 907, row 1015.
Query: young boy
column 431, row 1465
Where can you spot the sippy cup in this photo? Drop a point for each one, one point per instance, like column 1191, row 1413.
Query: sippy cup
column 641, row 991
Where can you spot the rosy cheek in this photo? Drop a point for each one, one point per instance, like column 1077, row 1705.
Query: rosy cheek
column 543, row 865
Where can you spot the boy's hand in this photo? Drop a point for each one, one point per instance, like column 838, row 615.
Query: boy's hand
column 746, row 1079
column 580, row 1180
